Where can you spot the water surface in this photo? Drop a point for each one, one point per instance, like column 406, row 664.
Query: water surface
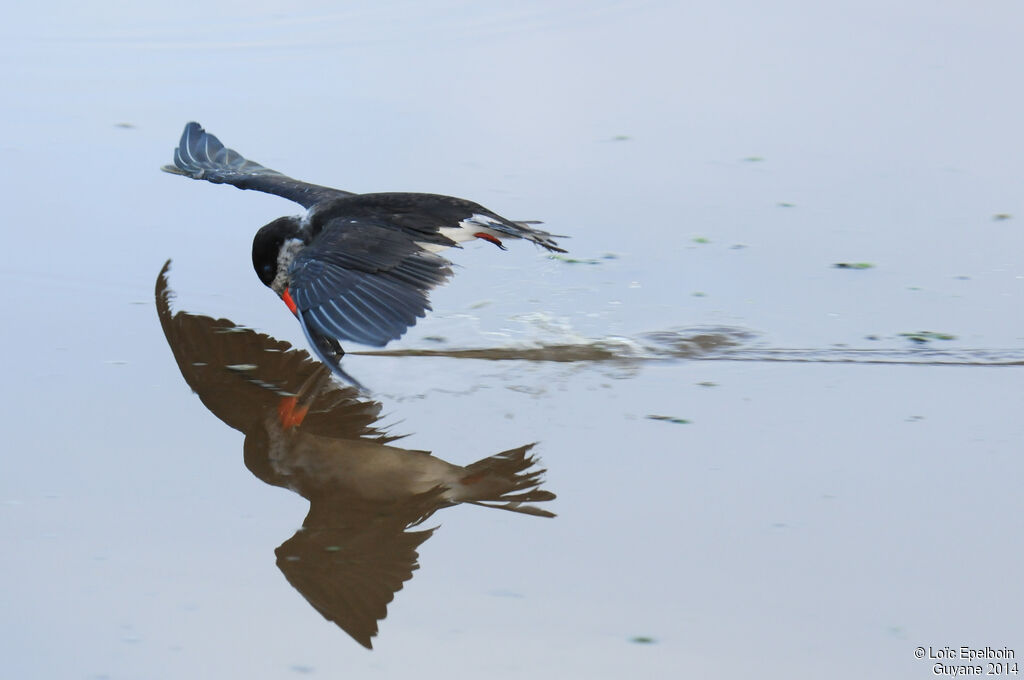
column 815, row 493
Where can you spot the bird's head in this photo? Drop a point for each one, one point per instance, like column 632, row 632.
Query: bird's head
column 274, row 248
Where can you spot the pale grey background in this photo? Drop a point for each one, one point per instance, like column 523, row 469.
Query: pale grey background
column 811, row 521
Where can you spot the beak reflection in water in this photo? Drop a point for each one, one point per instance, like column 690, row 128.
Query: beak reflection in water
column 306, row 433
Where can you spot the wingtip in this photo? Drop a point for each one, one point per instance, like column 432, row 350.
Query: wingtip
column 191, row 128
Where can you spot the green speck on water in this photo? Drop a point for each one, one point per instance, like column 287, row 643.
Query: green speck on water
column 707, row 383
column 753, row 159
column 621, row 138
column 332, row 548
column 701, row 239
column 670, row 419
column 1001, row 216
column 642, row 640
column 698, row 293
column 853, row 265
column 783, row 204
column 573, row 260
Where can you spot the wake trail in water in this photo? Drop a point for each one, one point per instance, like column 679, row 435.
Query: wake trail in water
column 714, row 344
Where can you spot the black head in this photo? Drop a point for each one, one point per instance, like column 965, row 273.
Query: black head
column 266, row 246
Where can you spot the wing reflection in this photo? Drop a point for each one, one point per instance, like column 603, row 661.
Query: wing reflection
column 306, row 433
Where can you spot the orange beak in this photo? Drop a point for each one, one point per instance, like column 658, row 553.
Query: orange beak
column 287, row 297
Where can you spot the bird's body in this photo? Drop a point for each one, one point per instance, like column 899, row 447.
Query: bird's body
column 355, row 267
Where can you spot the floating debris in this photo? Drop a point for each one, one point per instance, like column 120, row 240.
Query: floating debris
column 621, row 138
column 574, row 260
column 435, row 338
column 699, row 293
column 753, row 159
column 125, row 126
column 783, row 204
column 670, row 419
column 700, row 239
column 707, row 383
column 853, row 265
column 998, row 217
column 642, row 640
column 922, row 337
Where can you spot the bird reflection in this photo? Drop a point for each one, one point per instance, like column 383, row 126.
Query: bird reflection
column 306, row 433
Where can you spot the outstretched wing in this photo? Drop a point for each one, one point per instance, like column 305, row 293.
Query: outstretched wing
column 200, row 155
column 367, row 282
column 350, row 574
column 445, row 220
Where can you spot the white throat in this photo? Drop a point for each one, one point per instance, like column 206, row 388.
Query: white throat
column 289, row 249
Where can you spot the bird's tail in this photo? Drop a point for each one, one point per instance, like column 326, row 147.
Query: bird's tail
column 519, row 229
column 506, row 481
column 541, row 237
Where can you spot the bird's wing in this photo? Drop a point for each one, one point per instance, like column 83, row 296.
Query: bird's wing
column 200, row 155
column 452, row 219
column 350, row 574
column 367, row 282
column 240, row 374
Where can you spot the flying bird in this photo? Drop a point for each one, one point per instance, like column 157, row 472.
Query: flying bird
column 353, row 267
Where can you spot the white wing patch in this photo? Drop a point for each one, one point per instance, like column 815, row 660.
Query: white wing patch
column 467, row 230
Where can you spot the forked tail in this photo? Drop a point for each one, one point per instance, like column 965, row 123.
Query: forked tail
column 506, row 481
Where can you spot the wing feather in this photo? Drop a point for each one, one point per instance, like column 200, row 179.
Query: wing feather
column 364, row 282
column 201, row 155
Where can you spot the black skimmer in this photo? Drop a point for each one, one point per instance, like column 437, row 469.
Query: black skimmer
column 353, row 267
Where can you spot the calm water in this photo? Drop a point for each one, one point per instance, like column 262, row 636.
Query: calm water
column 711, row 162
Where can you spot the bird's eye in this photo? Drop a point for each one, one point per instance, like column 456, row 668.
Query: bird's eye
column 267, row 272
